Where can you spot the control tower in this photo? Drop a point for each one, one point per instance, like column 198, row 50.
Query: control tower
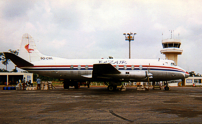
column 171, row 49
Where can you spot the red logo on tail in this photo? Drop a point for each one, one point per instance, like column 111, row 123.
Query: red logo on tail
column 27, row 48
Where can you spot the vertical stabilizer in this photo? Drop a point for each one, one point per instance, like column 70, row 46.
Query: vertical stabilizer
column 28, row 50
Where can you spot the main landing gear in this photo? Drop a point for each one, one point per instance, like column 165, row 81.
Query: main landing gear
column 112, row 87
column 167, row 88
column 71, row 83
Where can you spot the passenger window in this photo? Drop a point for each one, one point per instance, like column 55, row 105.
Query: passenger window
column 79, row 67
column 125, row 67
column 71, row 67
column 86, row 67
column 117, row 67
column 140, row 67
column 132, row 67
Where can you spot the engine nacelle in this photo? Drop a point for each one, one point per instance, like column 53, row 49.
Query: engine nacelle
column 131, row 75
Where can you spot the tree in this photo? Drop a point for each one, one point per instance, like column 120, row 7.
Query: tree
column 16, row 52
column 14, row 70
column 3, row 70
column 44, row 78
column 4, row 59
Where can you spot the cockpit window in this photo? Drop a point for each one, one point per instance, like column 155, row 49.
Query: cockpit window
column 172, row 64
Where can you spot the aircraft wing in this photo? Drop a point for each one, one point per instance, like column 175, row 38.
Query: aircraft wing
column 17, row 60
column 100, row 70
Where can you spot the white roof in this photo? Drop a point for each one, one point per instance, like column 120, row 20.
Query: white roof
column 171, row 41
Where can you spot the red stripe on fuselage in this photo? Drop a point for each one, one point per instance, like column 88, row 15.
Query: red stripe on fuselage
column 128, row 66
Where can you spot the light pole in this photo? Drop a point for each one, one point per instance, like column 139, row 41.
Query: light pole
column 129, row 38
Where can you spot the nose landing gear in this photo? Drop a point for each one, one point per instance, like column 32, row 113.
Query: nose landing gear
column 166, row 87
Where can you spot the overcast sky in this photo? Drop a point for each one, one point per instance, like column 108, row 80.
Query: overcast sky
column 79, row 29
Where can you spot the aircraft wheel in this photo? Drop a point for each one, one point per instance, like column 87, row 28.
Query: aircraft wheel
column 114, row 88
column 110, row 87
column 76, row 87
column 167, row 88
column 66, row 85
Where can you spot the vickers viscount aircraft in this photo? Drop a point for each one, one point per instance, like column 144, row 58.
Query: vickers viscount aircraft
column 111, row 71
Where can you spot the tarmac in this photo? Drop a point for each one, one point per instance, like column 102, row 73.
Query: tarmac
column 98, row 105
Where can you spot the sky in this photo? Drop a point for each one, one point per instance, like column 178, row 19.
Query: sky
column 93, row 29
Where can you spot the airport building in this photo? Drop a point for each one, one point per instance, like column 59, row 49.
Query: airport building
column 193, row 81
column 171, row 49
column 12, row 78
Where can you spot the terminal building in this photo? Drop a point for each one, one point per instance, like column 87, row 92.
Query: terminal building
column 12, row 78
column 193, row 81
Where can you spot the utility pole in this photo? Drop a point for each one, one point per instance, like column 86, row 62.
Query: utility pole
column 129, row 37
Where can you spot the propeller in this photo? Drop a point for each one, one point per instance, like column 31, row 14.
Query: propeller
column 148, row 75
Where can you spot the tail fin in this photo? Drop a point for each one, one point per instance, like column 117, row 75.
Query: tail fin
column 28, row 50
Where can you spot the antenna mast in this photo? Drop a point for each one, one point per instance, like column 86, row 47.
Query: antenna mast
column 172, row 31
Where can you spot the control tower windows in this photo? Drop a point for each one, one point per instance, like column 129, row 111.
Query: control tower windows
column 177, row 45
column 165, row 45
column 170, row 45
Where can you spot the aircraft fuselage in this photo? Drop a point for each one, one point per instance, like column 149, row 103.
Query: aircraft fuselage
column 131, row 69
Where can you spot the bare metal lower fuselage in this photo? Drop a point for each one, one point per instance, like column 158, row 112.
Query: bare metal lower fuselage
column 79, row 75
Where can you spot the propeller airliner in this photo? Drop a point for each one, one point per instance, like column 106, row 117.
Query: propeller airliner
column 111, row 71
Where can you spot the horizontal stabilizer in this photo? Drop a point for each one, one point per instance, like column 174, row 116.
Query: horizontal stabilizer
column 18, row 61
column 104, row 68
